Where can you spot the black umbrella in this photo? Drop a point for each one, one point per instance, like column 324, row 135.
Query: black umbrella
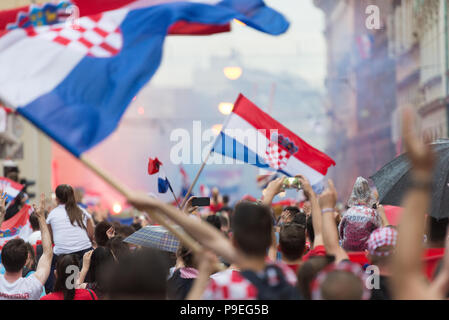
column 393, row 179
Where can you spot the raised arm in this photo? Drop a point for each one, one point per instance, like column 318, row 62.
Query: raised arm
column 327, row 201
column 273, row 188
column 2, row 207
column 202, row 231
column 316, row 210
column 44, row 264
column 408, row 279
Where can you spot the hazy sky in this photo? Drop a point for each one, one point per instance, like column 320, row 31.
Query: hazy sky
column 300, row 51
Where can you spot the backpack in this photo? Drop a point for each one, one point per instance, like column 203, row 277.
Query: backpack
column 272, row 285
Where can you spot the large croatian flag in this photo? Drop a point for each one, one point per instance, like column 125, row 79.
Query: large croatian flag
column 75, row 81
column 252, row 136
column 51, row 13
column 16, row 227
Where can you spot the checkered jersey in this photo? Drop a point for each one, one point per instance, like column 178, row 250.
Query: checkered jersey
column 93, row 35
column 231, row 285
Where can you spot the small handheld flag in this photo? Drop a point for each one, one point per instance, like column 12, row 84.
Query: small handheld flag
column 274, row 146
column 153, row 165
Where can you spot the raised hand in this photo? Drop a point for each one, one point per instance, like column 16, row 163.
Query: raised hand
column 3, row 203
column 328, row 199
column 110, row 233
column 40, row 211
column 420, row 154
column 188, row 208
column 305, row 185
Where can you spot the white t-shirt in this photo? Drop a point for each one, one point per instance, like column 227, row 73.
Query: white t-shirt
column 29, row 288
column 68, row 238
column 34, row 237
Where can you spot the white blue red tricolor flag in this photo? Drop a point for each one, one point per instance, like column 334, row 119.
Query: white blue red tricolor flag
column 74, row 82
column 16, row 227
column 11, row 188
column 252, row 136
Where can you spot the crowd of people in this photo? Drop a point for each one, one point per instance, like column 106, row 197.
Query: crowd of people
column 309, row 252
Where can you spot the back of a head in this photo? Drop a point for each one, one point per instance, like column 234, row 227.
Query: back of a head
column 309, row 271
column 292, row 241
column 66, row 196
column 342, row 281
column 101, row 259
column 309, row 229
column 63, row 272
column 225, row 199
column 140, row 275
column 14, row 255
column 214, row 220
column 100, row 235
column 292, row 209
column 252, row 225
column 437, row 229
column 118, row 247
column 125, row 231
column 187, row 256
column 34, row 222
column 342, row 285
column 300, row 218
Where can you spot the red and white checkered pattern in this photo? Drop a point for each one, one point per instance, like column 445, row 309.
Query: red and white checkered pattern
column 94, row 35
column 276, row 156
column 381, row 237
column 231, row 285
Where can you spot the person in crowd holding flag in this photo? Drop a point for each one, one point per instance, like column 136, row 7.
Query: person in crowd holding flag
column 71, row 227
column 14, row 257
column 252, row 226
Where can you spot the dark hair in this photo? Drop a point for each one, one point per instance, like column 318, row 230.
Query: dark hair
column 14, row 255
column 63, row 262
column 437, row 229
column 225, row 199
column 309, row 229
column 215, row 221
column 100, row 261
column 100, row 235
column 125, row 231
column 187, row 256
column 140, row 275
column 34, row 222
column 308, row 272
column 65, row 195
column 292, row 209
column 224, row 221
column 300, row 218
column 252, row 226
column 118, row 247
column 292, row 241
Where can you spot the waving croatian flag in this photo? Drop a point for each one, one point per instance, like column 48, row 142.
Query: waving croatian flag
column 16, row 227
column 74, row 82
column 11, row 188
column 252, row 136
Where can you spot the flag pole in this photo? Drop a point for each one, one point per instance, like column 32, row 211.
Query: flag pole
column 173, row 193
column 126, row 192
column 186, row 197
column 182, row 236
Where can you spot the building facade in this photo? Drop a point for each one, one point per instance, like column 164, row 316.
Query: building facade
column 361, row 88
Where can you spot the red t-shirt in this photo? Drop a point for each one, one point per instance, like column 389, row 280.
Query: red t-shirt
column 431, row 258
column 317, row 251
column 294, row 267
column 80, row 294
